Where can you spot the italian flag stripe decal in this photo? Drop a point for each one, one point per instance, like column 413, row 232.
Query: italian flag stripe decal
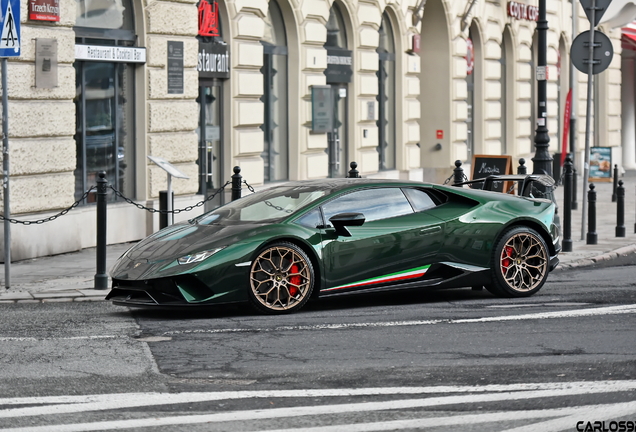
column 407, row 274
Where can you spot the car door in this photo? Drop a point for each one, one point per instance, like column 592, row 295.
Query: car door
column 394, row 245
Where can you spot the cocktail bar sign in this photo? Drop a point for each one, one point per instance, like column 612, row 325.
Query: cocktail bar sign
column 522, row 11
column 44, row 10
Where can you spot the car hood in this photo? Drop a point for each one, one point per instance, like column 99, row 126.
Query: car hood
column 156, row 255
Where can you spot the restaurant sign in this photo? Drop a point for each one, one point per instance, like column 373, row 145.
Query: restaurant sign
column 522, row 11
column 44, row 10
column 110, row 53
column 213, row 60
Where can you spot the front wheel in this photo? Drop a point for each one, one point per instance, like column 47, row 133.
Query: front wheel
column 520, row 263
column 281, row 279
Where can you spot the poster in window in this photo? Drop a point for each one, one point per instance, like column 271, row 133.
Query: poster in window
column 600, row 164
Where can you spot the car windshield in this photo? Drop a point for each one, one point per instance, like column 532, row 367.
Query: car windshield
column 270, row 205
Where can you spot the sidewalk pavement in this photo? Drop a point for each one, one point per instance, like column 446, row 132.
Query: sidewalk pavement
column 70, row 277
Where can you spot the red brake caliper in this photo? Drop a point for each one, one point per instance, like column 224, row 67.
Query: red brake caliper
column 506, row 257
column 294, row 280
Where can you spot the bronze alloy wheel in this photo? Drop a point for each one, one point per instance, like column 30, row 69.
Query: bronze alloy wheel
column 281, row 279
column 521, row 263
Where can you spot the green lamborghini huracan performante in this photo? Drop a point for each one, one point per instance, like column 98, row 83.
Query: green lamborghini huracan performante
column 279, row 247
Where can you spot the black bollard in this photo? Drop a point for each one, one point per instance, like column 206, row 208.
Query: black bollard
column 522, row 169
column 592, row 237
column 575, row 203
column 237, row 179
column 567, row 205
column 620, row 210
column 353, row 172
column 101, row 277
column 615, row 183
column 458, row 173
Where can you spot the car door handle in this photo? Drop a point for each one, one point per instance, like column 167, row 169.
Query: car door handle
column 430, row 230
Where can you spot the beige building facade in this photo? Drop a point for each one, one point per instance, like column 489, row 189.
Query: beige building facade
column 407, row 87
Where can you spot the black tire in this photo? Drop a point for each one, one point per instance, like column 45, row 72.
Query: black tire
column 281, row 279
column 520, row 263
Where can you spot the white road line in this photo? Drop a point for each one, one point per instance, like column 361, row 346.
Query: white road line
column 593, row 414
column 153, row 399
column 69, row 338
column 608, row 310
column 573, row 416
column 299, row 412
column 589, row 386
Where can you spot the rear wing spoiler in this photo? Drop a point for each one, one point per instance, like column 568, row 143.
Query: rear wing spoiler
column 529, row 185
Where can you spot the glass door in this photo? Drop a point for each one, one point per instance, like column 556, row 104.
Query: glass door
column 337, row 139
column 211, row 176
column 104, row 135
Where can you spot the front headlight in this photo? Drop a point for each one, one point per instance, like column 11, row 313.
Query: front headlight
column 199, row 256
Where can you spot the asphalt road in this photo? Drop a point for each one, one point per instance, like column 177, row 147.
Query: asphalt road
column 441, row 360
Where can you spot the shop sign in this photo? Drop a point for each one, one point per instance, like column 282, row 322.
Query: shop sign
column 44, row 10
column 213, row 60
column 522, row 11
column 110, row 53
column 339, row 65
column 209, row 18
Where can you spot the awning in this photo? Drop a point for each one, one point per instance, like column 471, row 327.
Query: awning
column 619, row 13
column 628, row 41
column 628, row 37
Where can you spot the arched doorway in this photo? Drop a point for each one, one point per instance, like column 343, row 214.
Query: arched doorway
column 275, row 96
column 386, row 95
column 213, row 67
column 339, row 71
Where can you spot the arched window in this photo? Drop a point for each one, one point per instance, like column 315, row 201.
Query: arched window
column 275, row 128
column 104, row 99
column 386, row 95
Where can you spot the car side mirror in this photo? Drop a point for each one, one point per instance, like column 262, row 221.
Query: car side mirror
column 342, row 220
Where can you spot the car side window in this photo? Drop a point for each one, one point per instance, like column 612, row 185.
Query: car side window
column 312, row 220
column 419, row 199
column 374, row 204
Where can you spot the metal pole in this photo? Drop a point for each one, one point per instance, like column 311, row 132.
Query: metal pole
column 101, row 277
column 5, row 178
column 169, row 205
column 575, row 92
column 588, row 118
column 237, row 179
column 542, row 159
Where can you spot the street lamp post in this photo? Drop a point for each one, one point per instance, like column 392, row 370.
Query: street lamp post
column 542, row 159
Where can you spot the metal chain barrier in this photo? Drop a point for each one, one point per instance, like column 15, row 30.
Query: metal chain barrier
column 251, row 189
column 51, row 218
column 176, row 211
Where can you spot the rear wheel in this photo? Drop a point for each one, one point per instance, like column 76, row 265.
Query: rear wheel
column 281, row 279
column 520, row 263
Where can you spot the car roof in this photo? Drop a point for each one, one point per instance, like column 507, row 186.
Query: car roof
column 337, row 184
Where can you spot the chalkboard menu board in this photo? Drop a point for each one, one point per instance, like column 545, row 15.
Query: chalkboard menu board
column 485, row 165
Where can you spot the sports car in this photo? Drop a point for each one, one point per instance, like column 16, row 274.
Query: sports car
column 279, row 247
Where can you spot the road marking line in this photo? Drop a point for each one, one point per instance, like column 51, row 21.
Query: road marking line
column 470, row 419
column 303, row 411
column 111, row 402
column 69, row 338
column 608, row 310
column 593, row 414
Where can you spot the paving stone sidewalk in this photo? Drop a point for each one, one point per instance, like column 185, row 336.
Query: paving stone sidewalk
column 70, row 277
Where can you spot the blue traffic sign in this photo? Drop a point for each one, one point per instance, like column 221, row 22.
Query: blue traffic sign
column 10, row 28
